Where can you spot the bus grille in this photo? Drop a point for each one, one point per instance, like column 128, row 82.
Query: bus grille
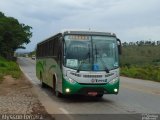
column 92, row 76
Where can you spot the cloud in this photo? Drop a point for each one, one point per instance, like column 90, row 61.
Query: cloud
column 145, row 33
column 130, row 20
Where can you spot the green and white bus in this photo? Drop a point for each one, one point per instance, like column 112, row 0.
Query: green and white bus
column 79, row 62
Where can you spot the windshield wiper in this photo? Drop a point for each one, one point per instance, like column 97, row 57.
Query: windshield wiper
column 106, row 68
column 78, row 69
column 103, row 63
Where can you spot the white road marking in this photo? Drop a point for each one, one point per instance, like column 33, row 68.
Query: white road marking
column 66, row 113
column 64, row 110
column 31, row 80
column 25, row 74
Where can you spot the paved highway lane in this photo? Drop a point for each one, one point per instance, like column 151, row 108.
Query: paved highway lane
column 135, row 96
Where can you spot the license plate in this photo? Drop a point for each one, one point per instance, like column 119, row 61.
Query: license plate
column 92, row 93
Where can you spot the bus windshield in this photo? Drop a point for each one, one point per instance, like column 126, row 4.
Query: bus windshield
column 90, row 53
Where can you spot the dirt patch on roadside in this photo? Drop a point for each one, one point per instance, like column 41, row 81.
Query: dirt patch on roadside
column 10, row 84
column 18, row 97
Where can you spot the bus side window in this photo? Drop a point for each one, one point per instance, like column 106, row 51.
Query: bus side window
column 56, row 49
column 60, row 49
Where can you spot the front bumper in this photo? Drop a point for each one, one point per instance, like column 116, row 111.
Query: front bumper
column 83, row 89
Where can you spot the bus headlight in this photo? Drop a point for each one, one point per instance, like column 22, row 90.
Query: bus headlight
column 115, row 90
column 67, row 90
column 114, row 80
column 70, row 80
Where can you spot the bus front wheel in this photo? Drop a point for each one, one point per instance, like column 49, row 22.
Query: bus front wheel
column 58, row 94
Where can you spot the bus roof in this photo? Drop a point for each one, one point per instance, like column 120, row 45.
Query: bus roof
column 88, row 32
column 48, row 39
column 78, row 32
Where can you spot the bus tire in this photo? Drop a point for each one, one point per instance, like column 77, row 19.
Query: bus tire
column 99, row 95
column 54, row 84
column 58, row 94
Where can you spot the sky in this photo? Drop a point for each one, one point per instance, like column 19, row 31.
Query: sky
column 130, row 20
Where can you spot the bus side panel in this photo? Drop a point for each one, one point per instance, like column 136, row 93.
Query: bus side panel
column 53, row 69
column 39, row 68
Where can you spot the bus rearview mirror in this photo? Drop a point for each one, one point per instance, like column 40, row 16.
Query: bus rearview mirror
column 119, row 46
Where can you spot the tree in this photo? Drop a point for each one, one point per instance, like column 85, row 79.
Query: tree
column 12, row 35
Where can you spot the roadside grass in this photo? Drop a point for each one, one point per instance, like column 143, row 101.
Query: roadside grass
column 9, row 68
column 146, row 72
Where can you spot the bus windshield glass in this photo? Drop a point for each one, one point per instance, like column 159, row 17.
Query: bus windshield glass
column 90, row 53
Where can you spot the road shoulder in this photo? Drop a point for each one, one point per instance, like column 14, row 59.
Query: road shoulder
column 18, row 97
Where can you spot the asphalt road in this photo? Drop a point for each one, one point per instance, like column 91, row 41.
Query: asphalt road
column 136, row 97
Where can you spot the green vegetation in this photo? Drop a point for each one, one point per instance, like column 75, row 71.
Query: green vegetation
column 141, row 60
column 32, row 53
column 143, row 72
column 9, row 68
column 12, row 35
